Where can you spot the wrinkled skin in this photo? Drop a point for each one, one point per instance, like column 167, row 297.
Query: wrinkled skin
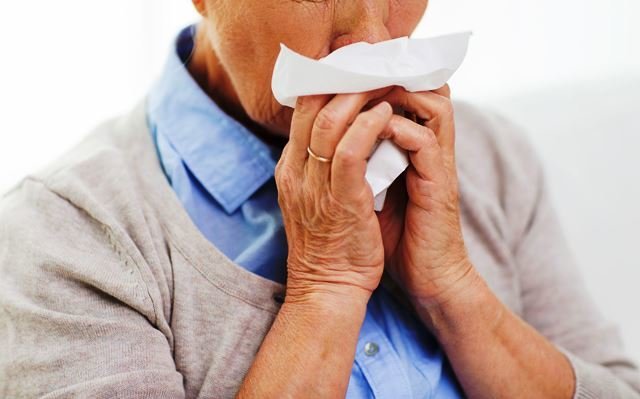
column 338, row 245
column 335, row 238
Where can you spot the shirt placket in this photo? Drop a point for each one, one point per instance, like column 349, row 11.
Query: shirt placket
column 380, row 364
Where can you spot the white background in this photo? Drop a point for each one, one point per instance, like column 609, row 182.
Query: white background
column 567, row 70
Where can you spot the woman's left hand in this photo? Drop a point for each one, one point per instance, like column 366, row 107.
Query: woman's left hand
column 424, row 248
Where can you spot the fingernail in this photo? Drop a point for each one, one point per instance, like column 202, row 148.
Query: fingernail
column 382, row 108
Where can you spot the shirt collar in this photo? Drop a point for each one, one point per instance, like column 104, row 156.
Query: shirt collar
column 228, row 160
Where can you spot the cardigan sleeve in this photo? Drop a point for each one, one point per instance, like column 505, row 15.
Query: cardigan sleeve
column 554, row 297
column 75, row 316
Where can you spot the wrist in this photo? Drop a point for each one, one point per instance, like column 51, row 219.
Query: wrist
column 324, row 281
column 466, row 308
column 317, row 325
column 325, row 295
column 328, row 312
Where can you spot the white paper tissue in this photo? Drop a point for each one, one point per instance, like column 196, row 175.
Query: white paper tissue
column 415, row 64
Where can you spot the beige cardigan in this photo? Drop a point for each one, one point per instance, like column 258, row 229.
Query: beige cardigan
column 106, row 286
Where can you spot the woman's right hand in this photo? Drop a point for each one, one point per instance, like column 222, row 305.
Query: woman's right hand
column 334, row 239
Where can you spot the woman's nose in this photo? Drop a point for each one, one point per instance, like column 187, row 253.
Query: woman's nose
column 368, row 33
column 360, row 21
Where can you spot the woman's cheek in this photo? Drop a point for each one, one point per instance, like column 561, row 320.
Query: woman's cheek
column 404, row 16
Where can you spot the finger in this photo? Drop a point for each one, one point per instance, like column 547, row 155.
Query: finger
column 443, row 91
column 406, row 133
column 333, row 120
column 421, row 142
column 435, row 108
column 328, row 128
column 304, row 114
column 427, row 179
column 350, row 161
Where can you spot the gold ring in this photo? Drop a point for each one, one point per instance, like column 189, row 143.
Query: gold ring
column 318, row 157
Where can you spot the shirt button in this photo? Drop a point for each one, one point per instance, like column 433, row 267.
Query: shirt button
column 371, row 348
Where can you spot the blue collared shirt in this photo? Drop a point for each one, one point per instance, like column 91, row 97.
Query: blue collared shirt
column 223, row 175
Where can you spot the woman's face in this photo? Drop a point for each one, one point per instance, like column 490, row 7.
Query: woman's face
column 245, row 37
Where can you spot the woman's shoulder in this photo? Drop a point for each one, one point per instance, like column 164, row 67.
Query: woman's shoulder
column 493, row 151
column 97, row 176
column 101, row 160
column 491, row 146
column 78, row 215
column 500, row 172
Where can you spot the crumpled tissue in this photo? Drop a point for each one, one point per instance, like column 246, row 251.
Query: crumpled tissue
column 415, row 64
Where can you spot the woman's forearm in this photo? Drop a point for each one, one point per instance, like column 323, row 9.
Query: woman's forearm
column 494, row 353
column 310, row 349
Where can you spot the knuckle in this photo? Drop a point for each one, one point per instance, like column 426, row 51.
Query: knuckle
column 282, row 163
column 301, row 105
column 366, row 121
column 307, row 104
column 345, row 157
column 279, row 170
column 391, row 131
column 429, row 137
column 284, row 178
column 421, row 187
column 445, row 90
column 326, row 119
column 445, row 107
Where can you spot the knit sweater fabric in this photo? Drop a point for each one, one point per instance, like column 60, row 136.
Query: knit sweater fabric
column 107, row 288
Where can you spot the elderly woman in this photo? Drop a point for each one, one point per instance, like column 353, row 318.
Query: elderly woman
column 184, row 251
